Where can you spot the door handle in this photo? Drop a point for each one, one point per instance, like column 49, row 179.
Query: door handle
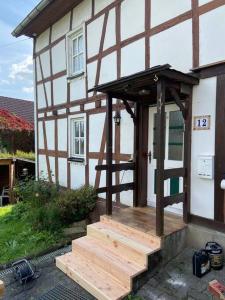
column 149, row 157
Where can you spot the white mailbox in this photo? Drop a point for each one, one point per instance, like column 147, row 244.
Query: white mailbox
column 206, row 166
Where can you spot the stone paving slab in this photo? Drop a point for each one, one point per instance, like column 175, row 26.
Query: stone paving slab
column 173, row 281
column 176, row 281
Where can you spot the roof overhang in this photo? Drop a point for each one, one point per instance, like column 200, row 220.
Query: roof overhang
column 45, row 14
column 143, row 85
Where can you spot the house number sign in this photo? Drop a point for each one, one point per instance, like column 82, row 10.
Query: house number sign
column 202, row 122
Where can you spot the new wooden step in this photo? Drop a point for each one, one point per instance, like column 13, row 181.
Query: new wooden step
column 120, row 243
column 143, row 238
column 91, row 277
column 99, row 253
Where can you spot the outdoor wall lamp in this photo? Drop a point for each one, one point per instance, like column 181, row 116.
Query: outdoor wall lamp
column 144, row 92
column 117, row 118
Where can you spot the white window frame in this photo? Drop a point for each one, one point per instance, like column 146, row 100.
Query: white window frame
column 75, row 34
column 72, row 120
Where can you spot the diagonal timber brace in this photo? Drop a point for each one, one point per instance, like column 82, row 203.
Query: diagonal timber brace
column 178, row 101
column 129, row 110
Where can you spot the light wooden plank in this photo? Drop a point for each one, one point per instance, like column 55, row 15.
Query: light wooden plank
column 91, row 277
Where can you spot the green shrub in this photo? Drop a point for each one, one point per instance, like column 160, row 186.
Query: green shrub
column 46, row 217
column 37, row 192
column 75, row 205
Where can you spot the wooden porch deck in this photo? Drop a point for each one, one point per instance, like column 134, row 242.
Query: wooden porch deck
column 144, row 219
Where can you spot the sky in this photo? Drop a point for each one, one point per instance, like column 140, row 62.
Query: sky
column 16, row 66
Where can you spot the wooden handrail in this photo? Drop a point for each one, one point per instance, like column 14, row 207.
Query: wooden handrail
column 176, row 172
column 175, row 199
column 116, row 167
column 117, row 188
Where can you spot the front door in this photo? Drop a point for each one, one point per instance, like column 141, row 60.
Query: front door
column 174, row 141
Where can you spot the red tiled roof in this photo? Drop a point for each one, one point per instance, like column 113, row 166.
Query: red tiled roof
column 10, row 121
column 21, row 108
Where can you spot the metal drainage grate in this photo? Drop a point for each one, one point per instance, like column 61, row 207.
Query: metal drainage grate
column 39, row 260
column 62, row 293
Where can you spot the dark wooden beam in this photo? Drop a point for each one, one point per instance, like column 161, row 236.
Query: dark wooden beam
column 175, row 199
column 171, row 173
column 219, row 204
column 136, row 156
column 178, row 101
column 129, row 110
column 160, row 156
column 187, row 158
column 116, row 167
column 117, row 188
column 109, row 154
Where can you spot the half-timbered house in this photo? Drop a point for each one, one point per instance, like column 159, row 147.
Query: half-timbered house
column 130, row 98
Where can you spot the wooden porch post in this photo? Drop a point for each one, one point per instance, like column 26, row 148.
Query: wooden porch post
column 109, row 155
column 160, row 155
column 187, row 157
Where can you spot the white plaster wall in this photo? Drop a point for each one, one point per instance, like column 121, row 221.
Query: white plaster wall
column 108, row 68
column 132, row 18
column 162, row 11
column 101, row 4
column 50, row 133
column 62, row 134
column 40, row 136
column 61, row 27
column 41, row 94
column 133, row 58
column 94, row 32
column 62, row 162
column 173, row 46
column 43, row 173
column 59, row 57
column 212, row 31
column 52, row 167
column 77, row 88
column 203, row 143
column 38, row 70
column 202, row 2
column 92, row 171
column 60, row 90
column 77, row 175
column 91, row 72
column 110, row 35
column 127, row 133
column 45, row 63
column 81, row 13
column 42, row 40
column 126, row 197
column 96, row 125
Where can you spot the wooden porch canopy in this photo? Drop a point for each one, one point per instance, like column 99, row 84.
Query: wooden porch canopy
column 158, row 85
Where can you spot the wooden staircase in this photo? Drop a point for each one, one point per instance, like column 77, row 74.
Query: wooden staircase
column 106, row 261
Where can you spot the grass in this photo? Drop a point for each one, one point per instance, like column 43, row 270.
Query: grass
column 18, row 238
column 18, row 154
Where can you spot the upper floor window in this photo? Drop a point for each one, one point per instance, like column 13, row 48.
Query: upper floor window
column 76, row 53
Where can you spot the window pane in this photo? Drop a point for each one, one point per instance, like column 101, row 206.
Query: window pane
column 75, row 47
column 81, row 146
column 76, row 129
column 82, row 128
column 80, row 44
column 81, row 62
column 76, row 150
column 176, row 135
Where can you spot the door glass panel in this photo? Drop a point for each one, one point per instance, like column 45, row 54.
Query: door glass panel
column 174, row 186
column 176, row 136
